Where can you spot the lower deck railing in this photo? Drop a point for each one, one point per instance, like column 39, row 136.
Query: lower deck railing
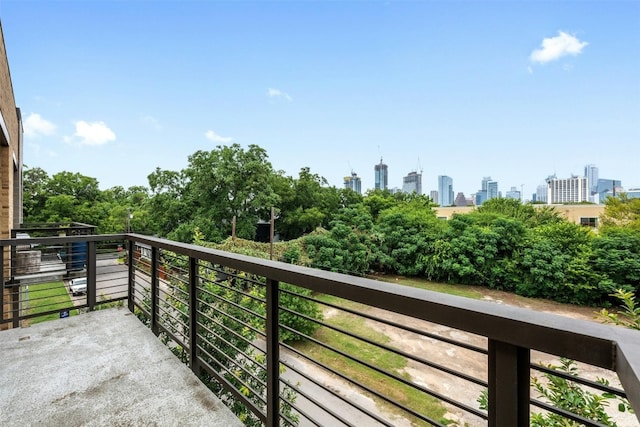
column 289, row 345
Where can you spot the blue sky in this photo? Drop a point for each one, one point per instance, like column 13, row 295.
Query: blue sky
column 514, row 90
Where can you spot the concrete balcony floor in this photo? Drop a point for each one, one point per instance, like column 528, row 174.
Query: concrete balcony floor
column 99, row 368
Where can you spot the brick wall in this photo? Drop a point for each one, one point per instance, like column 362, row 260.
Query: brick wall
column 9, row 150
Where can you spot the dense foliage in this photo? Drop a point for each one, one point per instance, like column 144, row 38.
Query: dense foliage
column 504, row 244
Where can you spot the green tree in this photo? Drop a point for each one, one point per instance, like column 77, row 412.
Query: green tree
column 35, row 193
column 307, row 203
column 230, row 181
column 622, row 211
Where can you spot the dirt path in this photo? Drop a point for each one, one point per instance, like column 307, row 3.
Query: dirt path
column 473, row 363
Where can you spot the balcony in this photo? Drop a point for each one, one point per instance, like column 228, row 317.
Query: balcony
column 233, row 320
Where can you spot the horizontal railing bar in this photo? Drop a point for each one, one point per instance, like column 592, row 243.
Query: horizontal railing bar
column 232, row 361
column 579, row 380
column 327, row 389
column 386, row 347
column 224, row 313
column 229, row 372
column 231, row 389
column 231, row 331
column 566, row 414
column 171, row 335
column 390, row 323
column 232, row 303
column 365, row 388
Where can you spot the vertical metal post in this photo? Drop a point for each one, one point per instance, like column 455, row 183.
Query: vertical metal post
column 509, row 384
column 2, row 286
column 271, row 227
column 154, row 290
column 91, row 275
column 273, row 353
column 15, row 304
column 193, row 315
column 132, row 277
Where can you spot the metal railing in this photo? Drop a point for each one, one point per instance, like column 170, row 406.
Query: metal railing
column 295, row 345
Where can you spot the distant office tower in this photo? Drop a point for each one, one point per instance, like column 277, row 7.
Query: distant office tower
column 460, row 200
column 492, row 190
column 412, row 183
column 591, row 173
column 541, row 194
column 607, row 188
column 488, row 190
column 485, row 182
column 433, row 195
column 381, row 176
column 445, row 190
column 513, row 194
column 568, row 190
column 353, row 182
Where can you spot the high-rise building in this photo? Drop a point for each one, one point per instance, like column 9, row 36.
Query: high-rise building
column 568, row 190
column 607, row 188
column 492, row 190
column 488, row 190
column 412, row 183
column 591, row 173
column 381, row 176
column 433, row 195
column 445, row 190
column 513, row 194
column 541, row 194
column 353, row 182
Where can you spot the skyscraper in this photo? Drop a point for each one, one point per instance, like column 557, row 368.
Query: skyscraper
column 568, row 190
column 353, row 182
column 541, row 194
column 492, row 190
column 591, row 173
column 489, row 190
column 412, row 183
column 381, row 176
column 445, row 190
column 514, row 193
column 433, row 195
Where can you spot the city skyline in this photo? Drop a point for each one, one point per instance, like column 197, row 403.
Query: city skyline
column 113, row 90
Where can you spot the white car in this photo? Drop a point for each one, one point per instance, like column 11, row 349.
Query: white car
column 78, row 286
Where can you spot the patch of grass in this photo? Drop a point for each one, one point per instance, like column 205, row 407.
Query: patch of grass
column 376, row 356
column 48, row 296
column 445, row 288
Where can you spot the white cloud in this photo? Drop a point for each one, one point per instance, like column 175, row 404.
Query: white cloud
column 277, row 93
column 35, row 126
column 212, row 136
column 93, row 133
column 556, row 47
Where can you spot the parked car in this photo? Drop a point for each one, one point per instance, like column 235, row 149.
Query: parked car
column 78, row 286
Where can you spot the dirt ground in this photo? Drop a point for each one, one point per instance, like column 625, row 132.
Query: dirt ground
column 473, row 363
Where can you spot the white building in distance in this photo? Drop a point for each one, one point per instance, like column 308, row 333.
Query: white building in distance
column 567, row 190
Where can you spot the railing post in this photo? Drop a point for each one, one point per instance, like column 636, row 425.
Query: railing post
column 2, row 287
column 509, row 384
column 15, row 304
column 273, row 353
column 132, row 277
column 154, row 290
column 193, row 315
column 91, row 275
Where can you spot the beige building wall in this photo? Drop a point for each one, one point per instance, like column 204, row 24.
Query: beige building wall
column 10, row 162
column 574, row 213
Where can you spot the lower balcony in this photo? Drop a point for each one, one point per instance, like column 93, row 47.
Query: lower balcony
column 278, row 344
